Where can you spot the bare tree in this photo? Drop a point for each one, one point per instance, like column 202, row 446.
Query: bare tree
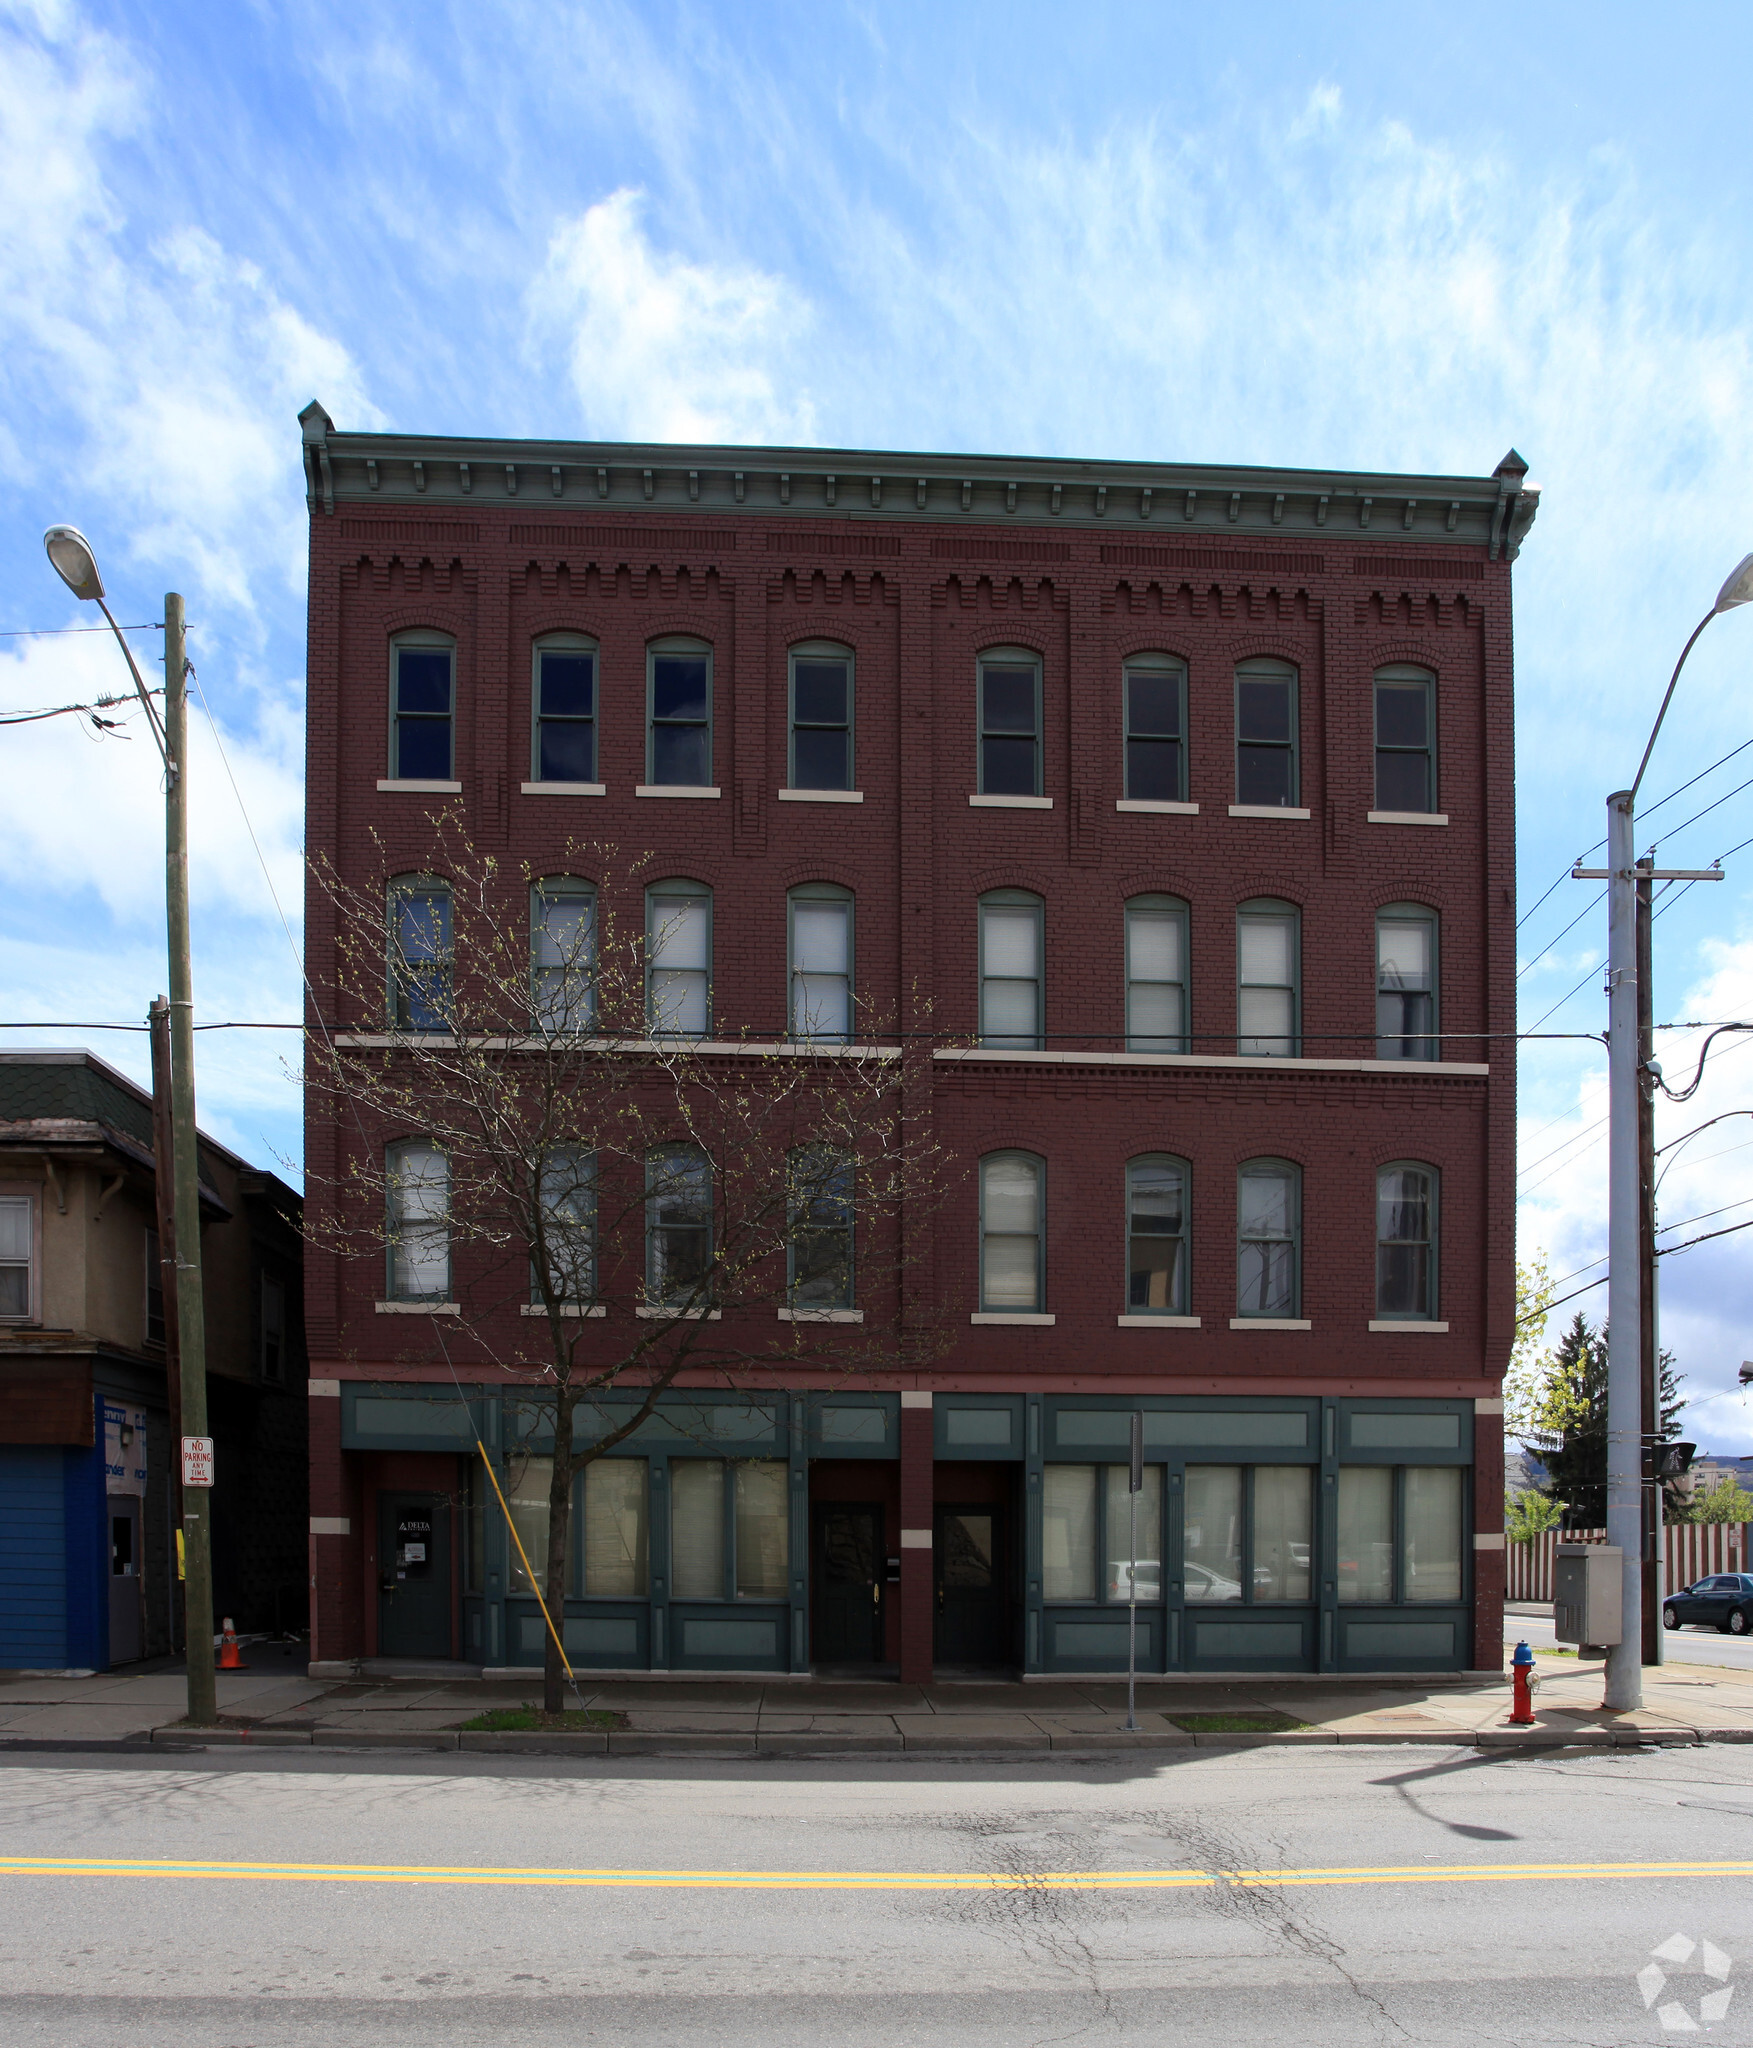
column 541, row 1133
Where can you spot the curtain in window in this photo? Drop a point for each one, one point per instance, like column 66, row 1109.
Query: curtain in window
column 1433, row 1532
column 1405, row 988
column 1010, row 1263
column 1010, row 974
column 15, row 1257
column 1266, row 1199
column 1366, row 1532
column 1403, row 1242
column 821, row 968
column 1282, row 1531
column 419, row 1204
column 564, row 942
column 616, row 1540
column 1266, row 996
column 1150, row 1533
column 762, row 1529
column 1155, row 1240
column 527, row 1480
column 697, row 1528
column 1155, row 974
column 1212, row 1533
column 1068, row 1532
column 679, row 1227
column 680, row 964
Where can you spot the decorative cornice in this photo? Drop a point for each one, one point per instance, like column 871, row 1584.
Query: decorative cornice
column 1126, row 501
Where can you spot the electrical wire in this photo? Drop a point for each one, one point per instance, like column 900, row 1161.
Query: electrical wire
column 49, row 632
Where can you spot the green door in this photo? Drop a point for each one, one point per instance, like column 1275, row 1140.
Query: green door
column 413, row 1549
column 847, row 1583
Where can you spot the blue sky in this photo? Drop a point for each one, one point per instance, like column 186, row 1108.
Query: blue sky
column 1392, row 236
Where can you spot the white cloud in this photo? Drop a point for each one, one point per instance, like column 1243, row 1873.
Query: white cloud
column 663, row 349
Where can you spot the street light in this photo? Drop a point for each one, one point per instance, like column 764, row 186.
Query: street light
column 1627, row 1081
column 76, row 565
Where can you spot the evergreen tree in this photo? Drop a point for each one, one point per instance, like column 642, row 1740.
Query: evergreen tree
column 1569, row 1433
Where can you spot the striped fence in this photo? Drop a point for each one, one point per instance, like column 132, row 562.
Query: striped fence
column 1694, row 1548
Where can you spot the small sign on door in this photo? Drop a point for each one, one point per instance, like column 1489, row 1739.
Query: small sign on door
column 197, row 1461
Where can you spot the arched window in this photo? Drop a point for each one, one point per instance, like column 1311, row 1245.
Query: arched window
column 563, row 709
column 679, row 695
column 678, row 959
column 1156, row 1236
column 1269, row 1239
column 1011, row 1009
column 422, row 706
column 1268, row 973
column 1010, row 722
column 678, row 1227
column 421, row 954
column 1406, row 983
column 1405, row 740
column 1406, row 1242
column 1012, row 1265
column 417, row 1221
column 820, row 915
column 821, row 715
column 1266, row 734
column 566, row 1222
column 1155, row 688
column 562, row 953
column 1156, row 974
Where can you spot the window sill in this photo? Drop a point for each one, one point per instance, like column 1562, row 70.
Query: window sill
column 1412, row 1326
column 1164, row 809
column 1039, row 1321
column 1270, row 1323
column 565, row 789
column 419, row 1308
column 1011, row 803
column 535, row 1308
column 423, row 788
column 674, row 789
column 820, row 796
column 1408, row 817
column 1267, row 811
column 820, row 1315
column 1156, row 1322
column 679, row 1315
column 1447, row 1070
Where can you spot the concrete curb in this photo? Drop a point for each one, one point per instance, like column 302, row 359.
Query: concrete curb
column 232, row 1738
column 384, row 1738
column 534, row 1741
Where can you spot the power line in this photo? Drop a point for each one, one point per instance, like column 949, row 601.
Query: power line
column 49, row 632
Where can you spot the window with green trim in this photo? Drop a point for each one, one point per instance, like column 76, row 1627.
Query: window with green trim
column 1405, row 739
column 1156, row 974
column 821, row 715
column 1010, row 722
column 1012, row 1261
column 1266, row 734
column 562, row 953
column 1406, row 983
column 417, row 1220
column 819, row 1245
column 1406, row 1242
column 563, row 708
column 1088, row 1528
column 1400, row 1533
column 730, row 1528
column 422, row 707
column 1155, row 690
column 1269, row 1239
column 421, row 954
column 565, row 1219
column 1268, row 973
column 1011, row 1007
column 820, row 917
column 1156, row 1236
column 1247, row 1533
column 679, row 687
column 678, row 1227
column 678, row 958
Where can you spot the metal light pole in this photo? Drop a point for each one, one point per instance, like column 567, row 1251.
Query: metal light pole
column 1628, row 1076
column 76, row 565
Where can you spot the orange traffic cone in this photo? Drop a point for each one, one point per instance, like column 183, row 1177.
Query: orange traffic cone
column 229, row 1660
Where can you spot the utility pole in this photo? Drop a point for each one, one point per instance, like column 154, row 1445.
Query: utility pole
column 191, row 1310
column 164, row 1191
column 1647, row 1341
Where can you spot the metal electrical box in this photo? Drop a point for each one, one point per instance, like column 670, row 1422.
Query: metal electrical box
column 1588, row 1594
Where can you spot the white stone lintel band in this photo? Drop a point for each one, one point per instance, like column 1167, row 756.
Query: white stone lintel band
column 915, row 1539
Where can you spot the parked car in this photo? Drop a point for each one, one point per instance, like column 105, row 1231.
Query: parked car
column 1725, row 1598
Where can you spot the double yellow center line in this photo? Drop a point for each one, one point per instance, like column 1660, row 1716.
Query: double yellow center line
column 852, row 1880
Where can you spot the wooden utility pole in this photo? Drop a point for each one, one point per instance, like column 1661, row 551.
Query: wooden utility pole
column 164, row 1190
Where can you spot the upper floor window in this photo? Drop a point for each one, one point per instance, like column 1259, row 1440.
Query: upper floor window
column 1156, row 974
column 1405, row 739
column 1406, row 1242
column 1156, row 728
column 564, row 701
column 678, row 1226
column 417, row 1186
column 563, row 941
column 422, row 693
column 680, row 692
column 566, row 1227
column 1010, row 969
column 17, row 1235
column 678, row 956
column 421, row 954
column 819, row 1249
column 1268, row 1237
column 1156, row 1237
column 821, row 716
column 1406, row 983
column 1012, row 1265
column 1267, row 972
column 1266, row 733
column 1010, row 722
column 273, row 1327
column 821, row 962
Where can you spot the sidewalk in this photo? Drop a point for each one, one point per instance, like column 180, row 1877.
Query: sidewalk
column 275, row 1704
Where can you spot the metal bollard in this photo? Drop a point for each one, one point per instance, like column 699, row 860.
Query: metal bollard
column 1522, row 1671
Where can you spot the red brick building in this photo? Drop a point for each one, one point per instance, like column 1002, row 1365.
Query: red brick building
column 1187, row 793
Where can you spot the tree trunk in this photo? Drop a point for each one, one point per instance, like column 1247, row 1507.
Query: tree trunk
column 559, row 1536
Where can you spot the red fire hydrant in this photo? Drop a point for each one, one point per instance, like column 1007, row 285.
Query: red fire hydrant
column 1522, row 1671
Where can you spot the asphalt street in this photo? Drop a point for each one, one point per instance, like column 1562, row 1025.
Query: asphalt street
column 444, row 1901
column 1681, row 1645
